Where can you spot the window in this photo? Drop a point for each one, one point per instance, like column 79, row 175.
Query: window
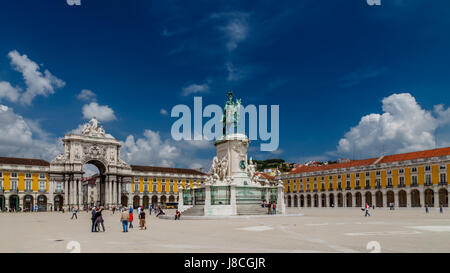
column 28, row 185
column 307, row 187
column 146, row 186
column 163, row 186
column 348, row 184
column 367, row 174
column 348, row 176
column 28, row 175
column 442, row 167
column 339, row 185
column 331, row 177
column 427, row 168
column 378, row 183
column 414, row 170
column 322, row 185
column 330, row 185
column 315, row 186
column 357, row 175
column 389, row 172
column 136, row 187
column 171, row 187
column 307, row 179
column 389, row 181
column 14, row 175
column 357, row 183
column 59, row 186
column 145, row 180
column 401, row 171
column 367, row 183
column 401, row 181
column 339, row 176
column 154, row 188
column 42, row 176
column 315, row 179
column 1, row 175
column 443, row 178
column 42, row 186
column 414, row 180
column 14, row 185
column 378, row 173
column 428, row 179
column 323, row 178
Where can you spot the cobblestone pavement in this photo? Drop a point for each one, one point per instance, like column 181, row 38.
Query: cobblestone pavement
column 318, row 230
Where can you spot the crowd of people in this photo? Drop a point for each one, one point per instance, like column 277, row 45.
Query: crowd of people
column 271, row 207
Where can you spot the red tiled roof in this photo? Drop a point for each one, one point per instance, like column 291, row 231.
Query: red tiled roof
column 266, row 176
column 23, row 161
column 416, row 155
column 385, row 159
column 351, row 163
column 165, row 170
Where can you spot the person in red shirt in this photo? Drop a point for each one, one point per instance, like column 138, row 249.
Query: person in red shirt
column 131, row 219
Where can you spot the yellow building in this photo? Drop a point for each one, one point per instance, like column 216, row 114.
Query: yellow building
column 404, row 180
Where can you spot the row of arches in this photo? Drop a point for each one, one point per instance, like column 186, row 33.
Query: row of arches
column 28, row 202
column 350, row 200
column 146, row 201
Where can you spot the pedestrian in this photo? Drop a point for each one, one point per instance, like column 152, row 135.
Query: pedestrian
column 62, row 208
column 150, row 210
column 177, row 214
column 93, row 218
column 74, row 213
column 269, row 208
column 142, row 220
column 441, row 208
column 367, row 210
column 99, row 219
column 274, row 208
column 124, row 216
column 139, row 210
column 130, row 218
column 426, row 209
column 161, row 212
column 113, row 209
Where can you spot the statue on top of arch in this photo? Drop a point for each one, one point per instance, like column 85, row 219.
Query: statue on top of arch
column 92, row 129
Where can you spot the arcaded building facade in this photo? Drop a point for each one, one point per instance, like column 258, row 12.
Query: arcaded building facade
column 403, row 180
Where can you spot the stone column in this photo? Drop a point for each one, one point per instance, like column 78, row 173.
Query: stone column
column 363, row 199
column 180, row 199
column 80, row 194
column 281, row 207
column 233, row 199
column 385, row 200
column 207, row 207
column 130, row 194
column 396, row 199
column 66, row 192
column 436, row 198
column 408, row 199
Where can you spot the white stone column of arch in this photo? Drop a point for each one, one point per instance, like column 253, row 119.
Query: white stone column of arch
column 436, row 197
column 408, row 198
column 80, row 193
column 130, row 193
column 363, row 199
column 396, row 198
column 119, row 190
column 66, row 192
column 385, row 199
column 114, row 192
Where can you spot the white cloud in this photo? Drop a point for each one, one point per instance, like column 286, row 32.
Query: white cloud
column 150, row 149
column 24, row 138
column 402, row 127
column 86, row 95
column 163, row 112
column 236, row 74
column 235, row 29
column 195, row 88
column 101, row 112
column 9, row 92
column 36, row 82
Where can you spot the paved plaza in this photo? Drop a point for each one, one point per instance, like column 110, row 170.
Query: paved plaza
column 316, row 230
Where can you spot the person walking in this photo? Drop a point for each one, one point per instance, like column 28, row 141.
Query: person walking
column 139, row 210
column 441, row 208
column 177, row 215
column 99, row 219
column 124, row 216
column 274, row 208
column 93, row 218
column 74, row 213
column 426, row 209
column 113, row 209
column 269, row 208
column 130, row 218
column 161, row 212
column 62, row 208
column 367, row 210
column 142, row 220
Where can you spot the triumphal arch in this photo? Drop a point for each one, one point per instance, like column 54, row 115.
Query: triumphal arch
column 91, row 146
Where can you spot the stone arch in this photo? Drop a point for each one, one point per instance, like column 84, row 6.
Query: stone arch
column 308, row 200
column 58, row 202
column 295, row 201
column 124, row 200
column 28, row 203
column 145, row 201
column 14, row 202
column 379, row 199
column 289, row 201
column 316, row 200
column 340, row 200
column 171, row 199
column 368, row 198
column 163, row 200
column 136, row 201
column 358, row 199
column 2, row 203
column 302, row 201
column 390, row 198
column 415, row 198
column 443, row 197
column 428, row 197
column 402, row 196
column 348, row 199
column 42, row 202
column 331, row 202
column 154, row 200
column 324, row 200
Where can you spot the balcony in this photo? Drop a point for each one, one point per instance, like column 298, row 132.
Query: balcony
column 14, row 191
column 322, row 189
column 58, row 191
column 357, row 188
column 339, row 189
column 301, row 191
column 401, row 186
column 348, row 188
column 428, row 184
column 443, row 183
column 330, row 189
column 315, row 190
column 414, row 185
column 124, row 191
column 28, row 190
column 388, row 186
column 42, row 190
column 378, row 187
column 308, row 190
column 367, row 187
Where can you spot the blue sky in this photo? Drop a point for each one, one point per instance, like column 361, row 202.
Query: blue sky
column 327, row 64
